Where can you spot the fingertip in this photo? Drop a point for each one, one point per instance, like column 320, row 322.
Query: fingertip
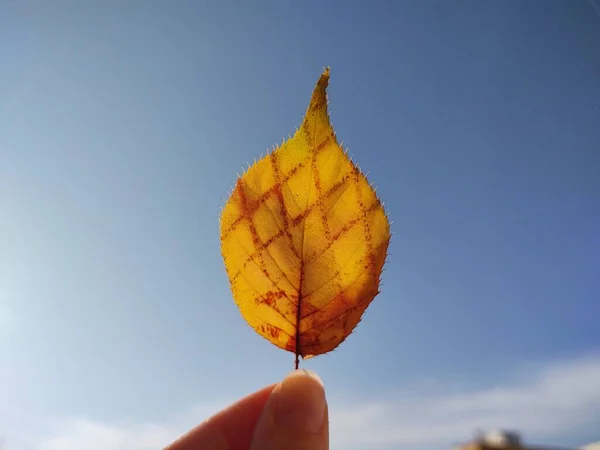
column 299, row 403
column 295, row 416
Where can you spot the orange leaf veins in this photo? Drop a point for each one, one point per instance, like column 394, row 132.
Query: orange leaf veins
column 304, row 239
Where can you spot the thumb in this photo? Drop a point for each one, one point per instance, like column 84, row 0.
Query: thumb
column 295, row 415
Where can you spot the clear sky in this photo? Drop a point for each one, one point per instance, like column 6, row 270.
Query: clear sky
column 122, row 127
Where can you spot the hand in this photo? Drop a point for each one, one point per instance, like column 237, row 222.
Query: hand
column 291, row 415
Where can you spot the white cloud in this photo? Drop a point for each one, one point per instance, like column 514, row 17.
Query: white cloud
column 550, row 401
column 558, row 399
column 86, row 434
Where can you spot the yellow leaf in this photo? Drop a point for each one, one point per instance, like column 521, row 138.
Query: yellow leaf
column 304, row 238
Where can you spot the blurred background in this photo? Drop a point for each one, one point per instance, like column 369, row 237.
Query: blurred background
column 122, row 127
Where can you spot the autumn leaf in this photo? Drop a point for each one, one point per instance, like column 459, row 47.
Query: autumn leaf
column 304, row 239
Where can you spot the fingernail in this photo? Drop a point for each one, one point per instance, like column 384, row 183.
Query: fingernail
column 300, row 403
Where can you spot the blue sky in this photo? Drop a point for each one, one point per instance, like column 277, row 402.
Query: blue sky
column 122, row 127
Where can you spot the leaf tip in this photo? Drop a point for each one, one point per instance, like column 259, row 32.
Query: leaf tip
column 321, row 87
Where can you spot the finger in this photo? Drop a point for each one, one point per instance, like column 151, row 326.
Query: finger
column 295, row 416
column 230, row 429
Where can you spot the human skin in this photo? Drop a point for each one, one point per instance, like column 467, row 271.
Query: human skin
column 290, row 415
